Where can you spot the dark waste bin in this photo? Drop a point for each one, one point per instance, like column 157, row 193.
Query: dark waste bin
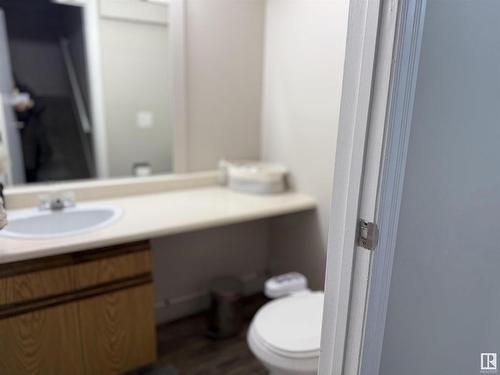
column 225, row 314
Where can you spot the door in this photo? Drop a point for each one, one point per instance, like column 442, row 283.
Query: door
column 433, row 302
column 9, row 135
column 45, row 341
column 117, row 331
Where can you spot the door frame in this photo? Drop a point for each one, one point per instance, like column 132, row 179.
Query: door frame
column 90, row 11
column 359, row 69
column 399, row 116
column 177, row 86
column 382, row 54
column 9, row 135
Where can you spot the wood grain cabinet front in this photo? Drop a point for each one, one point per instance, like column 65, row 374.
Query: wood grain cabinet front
column 84, row 313
column 45, row 341
column 118, row 333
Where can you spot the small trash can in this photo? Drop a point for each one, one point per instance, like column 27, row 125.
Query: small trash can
column 225, row 314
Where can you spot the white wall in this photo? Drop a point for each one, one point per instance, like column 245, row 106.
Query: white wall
column 304, row 56
column 224, row 80
column 135, row 79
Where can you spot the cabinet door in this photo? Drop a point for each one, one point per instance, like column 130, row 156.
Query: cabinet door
column 118, row 330
column 45, row 341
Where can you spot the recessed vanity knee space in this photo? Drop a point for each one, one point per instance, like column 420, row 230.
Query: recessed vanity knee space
column 85, row 301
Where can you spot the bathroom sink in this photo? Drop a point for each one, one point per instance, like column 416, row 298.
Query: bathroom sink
column 44, row 224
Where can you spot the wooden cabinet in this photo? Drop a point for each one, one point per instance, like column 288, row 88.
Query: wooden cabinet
column 83, row 313
column 46, row 341
column 112, row 341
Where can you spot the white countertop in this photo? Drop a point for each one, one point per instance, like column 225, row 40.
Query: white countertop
column 155, row 215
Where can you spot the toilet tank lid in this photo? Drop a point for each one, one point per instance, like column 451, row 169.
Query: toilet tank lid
column 291, row 324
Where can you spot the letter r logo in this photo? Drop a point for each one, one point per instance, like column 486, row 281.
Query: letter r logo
column 488, row 361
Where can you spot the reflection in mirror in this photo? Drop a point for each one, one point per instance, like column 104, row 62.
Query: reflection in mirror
column 84, row 89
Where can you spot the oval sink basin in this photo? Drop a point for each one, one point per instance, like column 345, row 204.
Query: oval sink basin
column 83, row 218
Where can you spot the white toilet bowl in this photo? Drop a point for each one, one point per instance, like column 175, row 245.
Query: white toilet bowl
column 285, row 334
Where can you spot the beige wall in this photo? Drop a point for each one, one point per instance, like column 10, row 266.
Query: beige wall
column 185, row 264
column 304, row 56
column 224, row 80
column 292, row 119
column 135, row 78
column 224, row 89
column 224, row 57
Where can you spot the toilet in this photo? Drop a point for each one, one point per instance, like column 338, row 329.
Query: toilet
column 285, row 333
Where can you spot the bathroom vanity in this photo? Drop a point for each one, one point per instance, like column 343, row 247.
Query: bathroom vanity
column 84, row 303
column 152, row 215
column 87, row 312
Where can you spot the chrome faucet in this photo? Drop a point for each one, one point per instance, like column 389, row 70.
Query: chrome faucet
column 57, row 201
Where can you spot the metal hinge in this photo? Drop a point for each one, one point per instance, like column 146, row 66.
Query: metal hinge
column 367, row 235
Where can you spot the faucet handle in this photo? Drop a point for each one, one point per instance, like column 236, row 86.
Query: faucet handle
column 44, row 201
column 68, row 199
column 56, row 201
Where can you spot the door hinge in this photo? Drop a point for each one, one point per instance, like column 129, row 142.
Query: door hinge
column 367, row 234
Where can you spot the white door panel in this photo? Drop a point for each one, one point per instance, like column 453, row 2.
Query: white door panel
column 8, row 130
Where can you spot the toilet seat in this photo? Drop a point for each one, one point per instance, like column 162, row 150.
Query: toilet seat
column 278, row 364
column 291, row 326
column 285, row 333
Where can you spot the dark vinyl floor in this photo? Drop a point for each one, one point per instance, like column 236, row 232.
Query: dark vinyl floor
column 184, row 346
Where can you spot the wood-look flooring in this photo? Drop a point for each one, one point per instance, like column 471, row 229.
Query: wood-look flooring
column 184, row 346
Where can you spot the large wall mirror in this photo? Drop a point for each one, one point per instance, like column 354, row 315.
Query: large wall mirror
column 85, row 89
